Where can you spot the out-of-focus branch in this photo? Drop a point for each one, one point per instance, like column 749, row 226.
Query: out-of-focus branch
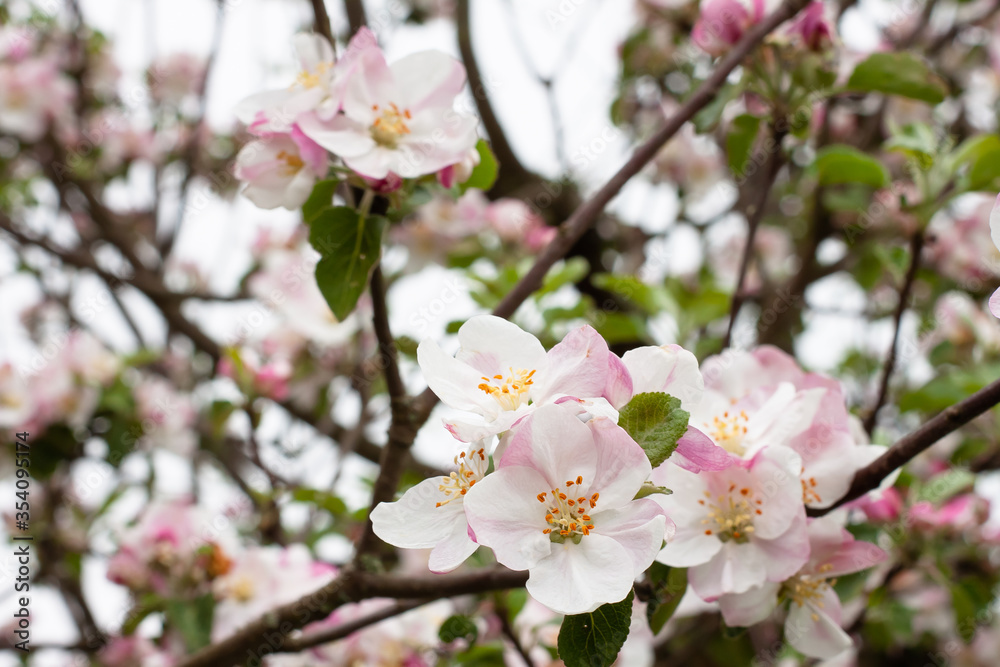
column 321, row 22
column 512, row 172
column 754, row 215
column 912, row 444
column 356, row 17
column 916, row 247
column 339, row 632
column 351, row 586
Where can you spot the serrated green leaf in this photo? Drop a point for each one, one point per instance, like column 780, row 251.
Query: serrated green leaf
column 484, row 175
column 740, row 141
column 350, row 248
column 898, row 74
column 669, row 585
column 655, row 421
column 319, row 200
column 594, row 639
column 835, row 165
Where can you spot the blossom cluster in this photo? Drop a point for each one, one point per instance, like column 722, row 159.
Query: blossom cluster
column 383, row 122
column 551, row 482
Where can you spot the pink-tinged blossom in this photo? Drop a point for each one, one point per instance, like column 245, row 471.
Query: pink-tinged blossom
column 814, row 28
column 431, row 515
column 501, row 374
column 995, row 235
column 280, row 169
column 884, row 508
column 959, row 513
column 166, row 416
column 672, row 370
column 459, row 172
column 262, row 579
column 736, row 528
column 560, row 505
column 764, row 399
column 962, row 247
column 813, row 622
column 134, row 650
column 173, row 78
column 398, row 119
column 964, row 323
column 174, row 548
column 515, row 222
column 317, row 88
column 722, row 23
column 15, row 400
column 33, row 93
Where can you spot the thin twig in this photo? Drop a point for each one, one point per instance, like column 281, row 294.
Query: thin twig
column 340, row 631
column 916, row 247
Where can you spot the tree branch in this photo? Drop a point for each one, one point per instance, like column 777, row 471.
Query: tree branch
column 339, row 632
column 916, row 247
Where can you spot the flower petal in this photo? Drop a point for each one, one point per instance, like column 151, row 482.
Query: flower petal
column 640, row 527
column 577, row 366
column 669, row 368
column 493, row 345
column 618, row 386
column 414, row 521
column 735, row 569
column 454, row 382
column 504, row 512
column 696, row 452
column 815, row 631
column 453, row 550
column 555, row 443
column 621, row 465
column 750, row 608
column 579, row 578
column 427, row 79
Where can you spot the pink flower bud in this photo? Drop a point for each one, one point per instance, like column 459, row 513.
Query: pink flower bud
column 721, row 23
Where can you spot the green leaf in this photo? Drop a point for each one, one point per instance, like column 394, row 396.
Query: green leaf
column 740, row 141
column 706, row 119
column 982, row 155
column 350, row 248
column 898, row 74
column 653, row 299
column 669, row 585
column 327, row 501
column 594, row 639
column 947, row 485
column 320, row 199
column 655, row 421
column 650, row 489
column 458, row 627
column 843, row 164
column 485, row 173
column 193, row 620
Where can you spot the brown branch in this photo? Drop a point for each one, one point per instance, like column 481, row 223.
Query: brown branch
column 356, row 17
column 322, row 22
column 581, row 220
column 339, row 632
column 912, row 444
column 402, row 429
column 916, row 247
column 755, row 215
column 270, row 631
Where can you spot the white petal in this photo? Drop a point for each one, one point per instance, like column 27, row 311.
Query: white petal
column 559, row 446
column 640, row 527
column 579, row 578
column 414, row 521
column 505, row 514
column 577, row 366
column 339, row 135
column 750, row 608
column 670, row 369
column 493, row 345
column 812, row 631
column 454, row 382
column 995, row 222
column 621, row 465
column 427, row 79
column 453, row 550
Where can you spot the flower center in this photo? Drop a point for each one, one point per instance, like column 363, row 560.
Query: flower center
column 510, row 392
column 471, row 468
column 311, row 79
column 803, row 588
column 728, row 431
column 732, row 517
column 809, row 494
column 390, row 126
column 567, row 516
column 243, row 589
column 292, row 163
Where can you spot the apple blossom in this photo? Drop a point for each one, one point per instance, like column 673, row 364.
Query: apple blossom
column 502, row 373
column 736, row 528
column 763, row 399
column 561, row 505
column 721, row 23
column 280, row 169
column 398, row 119
column 431, row 515
column 317, row 87
column 33, row 93
column 813, row 622
column 813, row 28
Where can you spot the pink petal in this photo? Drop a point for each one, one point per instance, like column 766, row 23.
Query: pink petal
column 696, row 452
